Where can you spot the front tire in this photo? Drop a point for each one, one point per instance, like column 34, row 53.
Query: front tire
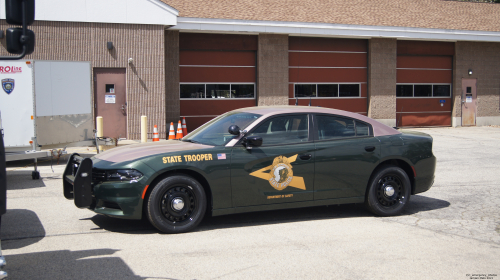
column 177, row 204
column 388, row 192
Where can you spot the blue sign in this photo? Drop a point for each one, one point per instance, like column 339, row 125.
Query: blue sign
column 442, row 101
column 8, row 85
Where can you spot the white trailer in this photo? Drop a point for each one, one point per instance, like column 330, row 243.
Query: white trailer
column 44, row 105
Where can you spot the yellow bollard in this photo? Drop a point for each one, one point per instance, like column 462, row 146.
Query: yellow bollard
column 144, row 129
column 99, row 124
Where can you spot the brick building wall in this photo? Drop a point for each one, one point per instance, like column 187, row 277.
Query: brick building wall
column 484, row 61
column 382, row 59
column 172, row 76
column 74, row 41
column 272, row 73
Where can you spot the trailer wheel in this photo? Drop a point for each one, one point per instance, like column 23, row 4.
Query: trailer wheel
column 35, row 175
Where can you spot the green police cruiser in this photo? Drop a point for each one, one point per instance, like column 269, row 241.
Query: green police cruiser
column 256, row 159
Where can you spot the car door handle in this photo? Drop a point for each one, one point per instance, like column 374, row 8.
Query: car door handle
column 305, row 156
column 369, row 148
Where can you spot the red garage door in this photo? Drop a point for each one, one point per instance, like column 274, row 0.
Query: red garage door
column 328, row 72
column 424, row 78
column 217, row 75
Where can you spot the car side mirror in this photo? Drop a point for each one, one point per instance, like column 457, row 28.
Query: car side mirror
column 252, row 141
column 234, row 130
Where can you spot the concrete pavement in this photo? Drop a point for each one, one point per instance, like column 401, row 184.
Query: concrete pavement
column 450, row 232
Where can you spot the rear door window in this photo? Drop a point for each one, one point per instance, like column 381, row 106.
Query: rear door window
column 334, row 127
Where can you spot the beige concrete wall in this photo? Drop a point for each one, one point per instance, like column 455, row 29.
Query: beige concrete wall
column 272, row 72
column 172, row 76
column 484, row 61
column 87, row 42
column 382, row 58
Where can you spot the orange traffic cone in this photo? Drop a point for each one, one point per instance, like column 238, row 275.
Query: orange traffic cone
column 184, row 127
column 155, row 134
column 171, row 134
column 179, row 131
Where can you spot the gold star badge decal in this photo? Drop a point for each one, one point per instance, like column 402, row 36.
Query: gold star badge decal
column 280, row 174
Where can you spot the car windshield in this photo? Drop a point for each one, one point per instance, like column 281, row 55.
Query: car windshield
column 215, row 132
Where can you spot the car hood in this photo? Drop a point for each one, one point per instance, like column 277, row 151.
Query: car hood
column 137, row 151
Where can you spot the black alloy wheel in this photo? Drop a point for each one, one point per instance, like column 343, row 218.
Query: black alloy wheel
column 388, row 191
column 176, row 204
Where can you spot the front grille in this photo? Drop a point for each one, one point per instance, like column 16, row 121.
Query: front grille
column 98, row 175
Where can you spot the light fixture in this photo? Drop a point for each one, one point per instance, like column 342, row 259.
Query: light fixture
column 470, row 71
column 130, row 60
column 110, row 45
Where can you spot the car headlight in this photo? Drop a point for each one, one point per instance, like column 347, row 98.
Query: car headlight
column 123, row 175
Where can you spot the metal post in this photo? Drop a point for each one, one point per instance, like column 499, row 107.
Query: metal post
column 144, row 129
column 35, row 175
column 100, row 130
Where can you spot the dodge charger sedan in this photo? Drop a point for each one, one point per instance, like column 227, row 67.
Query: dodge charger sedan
column 256, row 159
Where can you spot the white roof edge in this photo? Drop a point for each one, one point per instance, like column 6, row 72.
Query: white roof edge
column 148, row 12
column 186, row 24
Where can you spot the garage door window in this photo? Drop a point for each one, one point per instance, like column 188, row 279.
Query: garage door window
column 326, row 90
column 423, row 90
column 220, row 90
column 441, row 90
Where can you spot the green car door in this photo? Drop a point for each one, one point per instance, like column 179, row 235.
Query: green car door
column 281, row 170
column 346, row 155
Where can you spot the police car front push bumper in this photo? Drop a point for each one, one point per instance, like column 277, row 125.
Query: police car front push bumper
column 77, row 181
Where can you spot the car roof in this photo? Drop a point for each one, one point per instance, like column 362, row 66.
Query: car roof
column 379, row 129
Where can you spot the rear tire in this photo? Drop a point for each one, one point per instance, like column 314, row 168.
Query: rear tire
column 388, row 192
column 176, row 204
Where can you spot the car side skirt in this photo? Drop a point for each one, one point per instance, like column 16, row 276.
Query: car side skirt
column 323, row 202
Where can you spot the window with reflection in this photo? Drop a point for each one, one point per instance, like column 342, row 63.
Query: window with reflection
column 242, row 91
column 287, row 129
column 441, row 90
column 423, row 90
column 327, row 90
column 221, row 91
column 216, row 133
column 302, row 90
column 192, row 90
column 347, row 90
column 331, row 127
column 218, row 91
column 404, row 90
column 362, row 129
column 334, row 127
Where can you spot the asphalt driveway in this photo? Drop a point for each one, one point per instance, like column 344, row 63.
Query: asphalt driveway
column 450, row 232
